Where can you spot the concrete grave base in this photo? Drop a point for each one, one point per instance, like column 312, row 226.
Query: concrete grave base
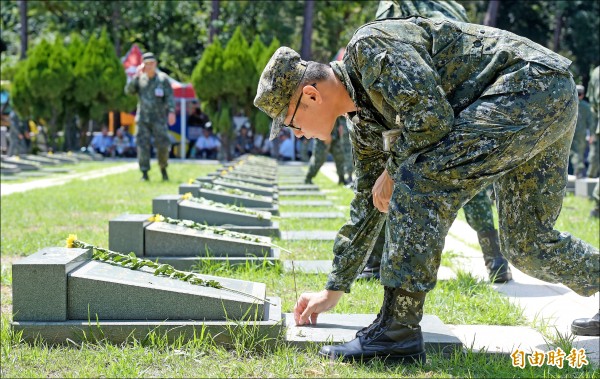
column 187, row 263
column 496, row 339
column 585, row 187
column 267, row 231
column 333, row 329
column 120, row 331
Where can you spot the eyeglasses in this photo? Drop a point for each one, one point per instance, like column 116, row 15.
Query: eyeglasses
column 291, row 124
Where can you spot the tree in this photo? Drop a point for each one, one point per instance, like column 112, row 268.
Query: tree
column 307, row 29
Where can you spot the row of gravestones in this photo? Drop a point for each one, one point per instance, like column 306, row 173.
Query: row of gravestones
column 39, row 165
column 62, row 294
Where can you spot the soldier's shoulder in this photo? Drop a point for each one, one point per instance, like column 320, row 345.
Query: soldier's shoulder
column 163, row 76
column 394, row 28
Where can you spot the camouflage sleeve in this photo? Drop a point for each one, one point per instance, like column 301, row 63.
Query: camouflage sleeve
column 356, row 238
column 404, row 87
column 169, row 97
column 132, row 87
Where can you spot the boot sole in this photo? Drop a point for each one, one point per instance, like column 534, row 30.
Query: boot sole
column 591, row 332
column 418, row 358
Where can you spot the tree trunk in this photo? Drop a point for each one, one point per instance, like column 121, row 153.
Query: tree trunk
column 492, row 13
column 24, row 31
column 214, row 16
column 116, row 22
column 558, row 25
column 307, row 29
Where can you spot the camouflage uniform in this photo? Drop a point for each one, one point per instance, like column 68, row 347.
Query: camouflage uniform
column 151, row 116
column 478, row 211
column 593, row 94
column 585, row 122
column 347, row 145
column 462, row 106
column 321, row 149
column 17, row 146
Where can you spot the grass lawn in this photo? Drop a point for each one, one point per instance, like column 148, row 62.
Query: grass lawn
column 44, row 217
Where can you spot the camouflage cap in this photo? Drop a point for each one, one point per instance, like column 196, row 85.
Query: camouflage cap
column 148, row 57
column 277, row 84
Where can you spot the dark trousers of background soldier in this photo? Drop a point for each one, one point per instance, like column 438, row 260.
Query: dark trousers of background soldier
column 479, row 215
column 320, row 151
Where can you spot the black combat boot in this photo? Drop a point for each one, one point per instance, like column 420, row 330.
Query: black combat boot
column 145, row 177
column 308, row 180
column 395, row 335
column 165, row 177
column 587, row 326
column 496, row 264
column 341, row 180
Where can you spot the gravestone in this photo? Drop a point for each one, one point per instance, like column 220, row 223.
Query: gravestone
column 182, row 246
column 45, row 161
column 22, row 164
column 61, row 294
column 9, row 169
column 299, row 187
column 252, row 221
column 194, row 188
column 307, row 203
column 240, row 199
column 584, row 187
column 302, row 193
column 319, row 215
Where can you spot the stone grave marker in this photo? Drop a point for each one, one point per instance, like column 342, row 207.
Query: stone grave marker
column 22, row 164
column 232, row 196
column 307, row 203
column 182, row 246
column 584, row 187
column 62, row 294
column 299, row 187
column 302, row 193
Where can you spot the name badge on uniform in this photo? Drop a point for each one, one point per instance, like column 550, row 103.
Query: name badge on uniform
column 158, row 92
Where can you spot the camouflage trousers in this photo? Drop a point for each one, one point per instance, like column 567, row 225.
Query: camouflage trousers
column 319, row 155
column 577, row 153
column 479, row 215
column 348, row 157
column 594, row 158
column 145, row 132
column 517, row 141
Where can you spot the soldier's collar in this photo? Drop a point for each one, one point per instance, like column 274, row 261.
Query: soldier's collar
column 340, row 71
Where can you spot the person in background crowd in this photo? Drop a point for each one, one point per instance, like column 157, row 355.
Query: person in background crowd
column 286, row 147
column 103, row 143
column 123, row 146
column 207, row 145
column 243, row 142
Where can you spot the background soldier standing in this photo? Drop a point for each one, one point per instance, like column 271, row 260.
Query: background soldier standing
column 593, row 96
column 478, row 211
column 585, row 122
column 16, row 135
column 322, row 148
column 156, row 106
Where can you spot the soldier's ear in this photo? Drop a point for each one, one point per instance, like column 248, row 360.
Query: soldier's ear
column 312, row 93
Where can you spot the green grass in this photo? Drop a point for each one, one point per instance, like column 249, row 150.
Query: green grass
column 81, row 167
column 44, row 217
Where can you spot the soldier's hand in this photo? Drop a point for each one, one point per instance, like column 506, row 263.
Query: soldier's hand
column 171, row 118
column 382, row 191
column 311, row 304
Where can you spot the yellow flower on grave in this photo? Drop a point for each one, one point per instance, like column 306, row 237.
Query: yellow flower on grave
column 70, row 240
column 231, row 168
column 69, row 153
column 224, row 172
column 156, row 218
column 17, row 158
column 50, row 152
column 186, row 196
column 191, row 181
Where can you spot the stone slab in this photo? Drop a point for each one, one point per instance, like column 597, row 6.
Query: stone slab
column 46, row 161
column 126, row 233
column 313, row 235
column 63, row 158
column 189, row 263
column 162, row 239
column 39, row 283
column 166, row 205
column 118, row 332
column 585, row 187
column 241, row 201
column 496, row 339
column 23, row 165
column 212, row 215
column 307, row 203
column 299, row 187
column 258, row 182
column 102, row 291
column 321, row 215
column 339, row 328
column 272, row 231
column 302, row 193
column 571, row 183
column 324, row 267
column 258, row 190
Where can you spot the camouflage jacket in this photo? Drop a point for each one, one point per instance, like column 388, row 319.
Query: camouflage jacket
column 593, row 95
column 409, row 78
column 426, row 8
column 152, row 107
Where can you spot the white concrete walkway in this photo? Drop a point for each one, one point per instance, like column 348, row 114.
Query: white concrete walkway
column 9, row 188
